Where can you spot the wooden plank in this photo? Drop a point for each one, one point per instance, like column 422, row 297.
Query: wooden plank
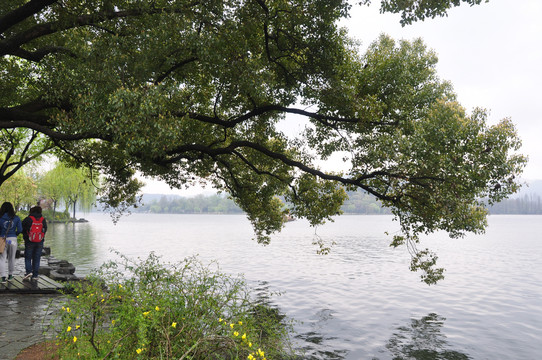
column 52, row 283
column 44, row 285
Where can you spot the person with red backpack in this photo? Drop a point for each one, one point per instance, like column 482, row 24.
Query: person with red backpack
column 34, row 229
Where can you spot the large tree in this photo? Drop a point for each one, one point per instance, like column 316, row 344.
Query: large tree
column 189, row 91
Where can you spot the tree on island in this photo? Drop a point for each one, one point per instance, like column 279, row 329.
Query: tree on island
column 193, row 91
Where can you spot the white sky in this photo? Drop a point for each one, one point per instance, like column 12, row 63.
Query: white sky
column 492, row 54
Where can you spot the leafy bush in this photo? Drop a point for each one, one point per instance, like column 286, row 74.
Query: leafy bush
column 154, row 310
column 58, row 215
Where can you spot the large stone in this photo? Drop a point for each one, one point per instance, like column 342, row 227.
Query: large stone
column 45, row 270
column 57, row 276
column 65, row 268
column 53, row 261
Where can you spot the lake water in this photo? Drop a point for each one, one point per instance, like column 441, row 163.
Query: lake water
column 360, row 301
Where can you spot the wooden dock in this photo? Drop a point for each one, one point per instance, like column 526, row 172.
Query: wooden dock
column 44, row 285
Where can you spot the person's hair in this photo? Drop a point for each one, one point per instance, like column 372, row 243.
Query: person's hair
column 7, row 208
column 35, row 210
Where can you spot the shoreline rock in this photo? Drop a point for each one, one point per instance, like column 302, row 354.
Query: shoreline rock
column 59, row 270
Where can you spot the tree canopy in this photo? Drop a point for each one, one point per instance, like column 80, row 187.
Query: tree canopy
column 188, row 91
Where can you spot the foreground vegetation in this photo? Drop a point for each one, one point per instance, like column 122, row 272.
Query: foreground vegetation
column 152, row 310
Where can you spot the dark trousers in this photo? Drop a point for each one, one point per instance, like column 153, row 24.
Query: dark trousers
column 32, row 256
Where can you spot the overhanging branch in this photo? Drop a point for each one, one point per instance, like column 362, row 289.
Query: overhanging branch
column 179, row 152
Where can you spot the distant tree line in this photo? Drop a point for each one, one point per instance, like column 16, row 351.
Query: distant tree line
column 357, row 203
column 527, row 204
column 200, row 204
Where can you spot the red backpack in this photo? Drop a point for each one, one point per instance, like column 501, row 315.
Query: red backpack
column 35, row 234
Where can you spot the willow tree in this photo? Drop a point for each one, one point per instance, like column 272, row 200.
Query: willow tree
column 79, row 189
column 71, row 186
column 51, row 186
column 20, row 190
column 188, row 91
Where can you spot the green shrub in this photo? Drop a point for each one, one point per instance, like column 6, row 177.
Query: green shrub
column 156, row 310
column 58, row 215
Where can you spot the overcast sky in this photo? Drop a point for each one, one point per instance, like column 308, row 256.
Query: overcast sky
column 492, row 54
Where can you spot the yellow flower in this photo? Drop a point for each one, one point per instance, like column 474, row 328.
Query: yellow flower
column 232, row 325
column 146, row 313
column 250, row 357
column 219, row 319
column 174, row 325
column 120, row 286
column 63, row 308
column 249, row 344
column 235, row 333
column 244, row 337
column 240, row 323
column 74, row 338
column 69, row 329
column 77, row 327
column 68, row 310
column 262, row 354
column 103, row 300
column 157, row 308
column 139, row 351
column 113, row 321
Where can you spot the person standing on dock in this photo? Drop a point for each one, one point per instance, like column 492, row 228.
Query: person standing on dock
column 10, row 227
column 34, row 229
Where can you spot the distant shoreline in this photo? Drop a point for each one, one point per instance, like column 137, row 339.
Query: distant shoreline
column 67, row 221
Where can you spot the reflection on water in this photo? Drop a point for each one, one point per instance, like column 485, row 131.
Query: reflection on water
column 316, row 342
column 422, row 340
column 75, row 243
